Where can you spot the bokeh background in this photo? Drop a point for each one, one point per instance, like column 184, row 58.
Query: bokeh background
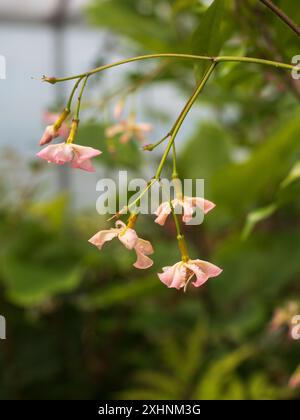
column 84, row 324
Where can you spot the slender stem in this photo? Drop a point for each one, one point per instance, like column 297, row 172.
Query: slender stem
column 182, row 116
column 174, row 173
column 176, row 221
column 276, row 64
column 126, row 208
column 80, row 97
column 69, row 104
column 280, row 13
column 180, row 237
column 151, row 147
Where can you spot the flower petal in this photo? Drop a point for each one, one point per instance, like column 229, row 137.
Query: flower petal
column 167, row 275
column 103, row 236
column 142, row 249
column 173, row 276
column 85, row 165
column 188, row 211
column 205, row 205
column 128, row 237
column 57, row 153
column 48, row 135
column 203, row 271
column 82, row 153
column 162, row 213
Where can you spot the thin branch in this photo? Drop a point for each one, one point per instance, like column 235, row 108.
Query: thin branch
column 280, row 13
column 220, row 59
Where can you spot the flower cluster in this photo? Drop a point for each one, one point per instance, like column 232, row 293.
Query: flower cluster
column 182, row 272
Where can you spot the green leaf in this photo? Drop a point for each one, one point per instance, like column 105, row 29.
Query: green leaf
column 28, row 284
column 257, row 216
column 210, row 35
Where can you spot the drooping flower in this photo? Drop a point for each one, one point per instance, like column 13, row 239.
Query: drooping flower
column 56, row 128
column 283, row 316
column 129, row 239
column 188, row 205
column 77, row 156
column 180, row 274
column 294, row 381
column 129, row 129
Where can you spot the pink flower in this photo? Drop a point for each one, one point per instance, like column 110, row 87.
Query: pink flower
column 294, row 381
column 129, row 239
column 129, row 129
column 77, row 156
column 180, row 274
column 56, row 128
column 187, row 203
column 283, row 315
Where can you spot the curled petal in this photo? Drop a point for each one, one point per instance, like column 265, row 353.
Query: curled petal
column 180, row 276
column 188, row 211
column 85, row 165
column 205, row 205
column 174, row 276
column 142, row 249
column 82, row 153
column 167, row 275
column 162, row 213
column 103, row 236
column 203, row 271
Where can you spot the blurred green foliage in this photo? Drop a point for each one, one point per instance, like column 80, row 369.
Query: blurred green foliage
column 85, row 324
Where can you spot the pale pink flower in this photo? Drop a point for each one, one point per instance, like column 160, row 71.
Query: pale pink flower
column 129, row 239
column 283, row 315
column 294, row 381
column 188, row 205
column 129, row 129
column 77, row 156
column 118, row 108
column 51, row 132
column 180, row 274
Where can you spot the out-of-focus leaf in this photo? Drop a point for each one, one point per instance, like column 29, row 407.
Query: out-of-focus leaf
column 264, row 264
column 257, row 216
column 292, row 176
column 220, row 376
column 28, row 285
column 124, row 17
column 52, row 211
column 239, row 186
column 208, row 151
column 210, row 34
column 121, row 293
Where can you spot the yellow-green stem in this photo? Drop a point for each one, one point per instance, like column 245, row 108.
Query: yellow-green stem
column 193, row 57
column 182, row 116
